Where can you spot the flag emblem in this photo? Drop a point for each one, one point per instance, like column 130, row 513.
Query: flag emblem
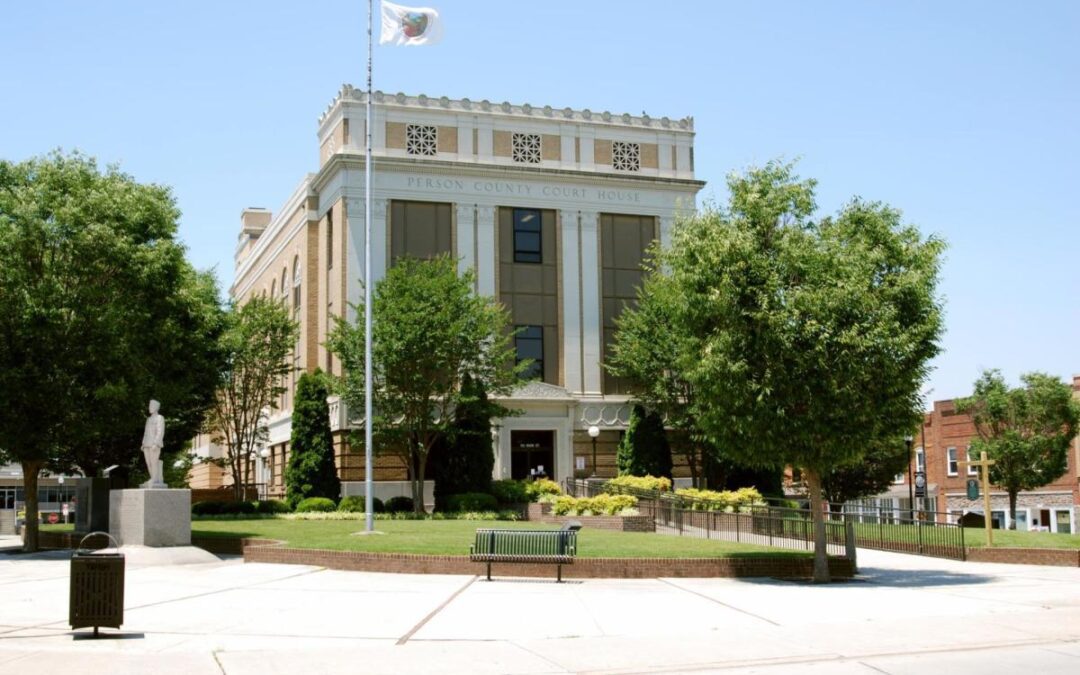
column 413, row 24
column 409, row 25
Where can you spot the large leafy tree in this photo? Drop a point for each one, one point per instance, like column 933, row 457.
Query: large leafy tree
column 259, row 335
column 803, row 342
column 653, row 359
column 872, row 474
column 1025, row 430
column 430, row 331
column 644, row 449
column 465, row 460
column 101, row 312
column 312, row 471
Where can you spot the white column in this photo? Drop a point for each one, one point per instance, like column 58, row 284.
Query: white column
column 465, row 139
column 571, row 283
column 666, row 225
column 485, row 140
column 379, row 238
column 485, row 249
column 354, row 277
column 587, row 159
column 590, row 301
column 682, row 158
column 465, row 220
column 568, row 136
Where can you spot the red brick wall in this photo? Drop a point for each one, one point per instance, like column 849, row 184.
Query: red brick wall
column 582, row 568
column 1059, row 557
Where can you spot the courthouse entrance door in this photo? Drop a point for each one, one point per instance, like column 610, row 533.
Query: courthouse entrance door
column 532, row 452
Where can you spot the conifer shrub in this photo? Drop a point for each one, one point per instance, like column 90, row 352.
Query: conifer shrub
column 644, row 449
column 312, row 471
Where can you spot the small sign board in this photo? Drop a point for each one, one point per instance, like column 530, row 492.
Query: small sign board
column 64, row 509
column 920, row 483
column 579, row 463
column 973, row 488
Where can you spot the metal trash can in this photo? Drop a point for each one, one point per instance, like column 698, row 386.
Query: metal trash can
column 97, row 586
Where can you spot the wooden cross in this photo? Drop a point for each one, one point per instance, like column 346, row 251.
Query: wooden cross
column 984, row 465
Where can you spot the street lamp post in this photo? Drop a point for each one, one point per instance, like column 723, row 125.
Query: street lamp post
column 910, row 479
column 594, row 431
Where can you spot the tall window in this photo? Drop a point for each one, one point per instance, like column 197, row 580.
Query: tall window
column 420, row 229
column 330, row 239
column 971, row 470
column 296, row 287
column 530, row 345
column 952, row 468
column 920, row 459
column 624, row 239
column 285, row 286
column 528, row 247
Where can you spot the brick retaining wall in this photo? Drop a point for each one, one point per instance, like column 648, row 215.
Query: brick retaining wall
column 1059, row 557
column 582, row 568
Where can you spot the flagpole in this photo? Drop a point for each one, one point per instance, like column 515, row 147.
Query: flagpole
column 369, row 517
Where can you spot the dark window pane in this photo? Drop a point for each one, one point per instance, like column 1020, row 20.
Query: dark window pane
column 527, row 242
column 530, row 345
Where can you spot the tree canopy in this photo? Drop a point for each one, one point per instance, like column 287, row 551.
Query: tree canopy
column 801, row 341
column 644, row 449
column 259, row 336
column 101, row 312
column 430, row 331
column 1025, row 430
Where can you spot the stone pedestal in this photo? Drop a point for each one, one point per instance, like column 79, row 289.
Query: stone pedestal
column 150, row 517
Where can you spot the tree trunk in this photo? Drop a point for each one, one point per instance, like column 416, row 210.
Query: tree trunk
column 821, row 561
column 418, row 485
column 235, row 469
column 1012, row 509
column 31, row 469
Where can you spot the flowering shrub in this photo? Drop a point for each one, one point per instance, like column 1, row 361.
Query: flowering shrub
column 600, row 505
column 650, row 483
column 535, row 489
column 728, row 500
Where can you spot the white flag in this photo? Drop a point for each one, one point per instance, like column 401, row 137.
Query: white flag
column 409, row 25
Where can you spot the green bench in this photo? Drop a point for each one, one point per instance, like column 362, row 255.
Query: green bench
column 556, row 547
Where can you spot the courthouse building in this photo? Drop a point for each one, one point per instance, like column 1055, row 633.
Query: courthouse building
column 553, row 209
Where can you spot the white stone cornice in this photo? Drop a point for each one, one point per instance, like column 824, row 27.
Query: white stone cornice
column 349, row 94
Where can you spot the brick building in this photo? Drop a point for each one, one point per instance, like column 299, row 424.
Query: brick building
column 552, row 207
column 944, row 442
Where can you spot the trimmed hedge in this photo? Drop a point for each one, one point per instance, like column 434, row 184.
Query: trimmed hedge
column 600, row 505
column 213, row 508
column 272, row 506
column 649, row 483
column 472, row 501
column 316, row 505
column 357, row 504
column 399, row 504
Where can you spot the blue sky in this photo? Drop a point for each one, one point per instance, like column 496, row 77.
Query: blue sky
column 963, row 114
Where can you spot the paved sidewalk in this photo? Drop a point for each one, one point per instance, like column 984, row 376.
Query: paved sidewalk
column 905, row 614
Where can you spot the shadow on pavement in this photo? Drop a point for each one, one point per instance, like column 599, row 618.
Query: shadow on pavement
column 919, row 578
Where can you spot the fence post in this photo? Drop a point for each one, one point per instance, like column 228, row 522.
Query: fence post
column 849, row 544
column 918, row 530
column 737, row 519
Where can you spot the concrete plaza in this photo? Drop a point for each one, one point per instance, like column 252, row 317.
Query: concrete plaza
column 903, row 615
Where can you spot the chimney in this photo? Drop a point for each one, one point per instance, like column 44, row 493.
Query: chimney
column 253, row 222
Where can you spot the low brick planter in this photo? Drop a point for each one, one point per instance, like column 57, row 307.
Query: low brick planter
column 541, row 513
column 1058, row 557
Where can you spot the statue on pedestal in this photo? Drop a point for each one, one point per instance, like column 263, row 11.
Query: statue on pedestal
column 153, row 440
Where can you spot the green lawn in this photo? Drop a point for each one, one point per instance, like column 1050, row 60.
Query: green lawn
column 453, row 537
column 973, row 536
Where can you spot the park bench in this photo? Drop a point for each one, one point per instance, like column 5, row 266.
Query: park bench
column 556, row 547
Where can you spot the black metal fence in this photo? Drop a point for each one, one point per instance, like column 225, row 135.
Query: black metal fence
column 921, row 532
column 763, row 526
